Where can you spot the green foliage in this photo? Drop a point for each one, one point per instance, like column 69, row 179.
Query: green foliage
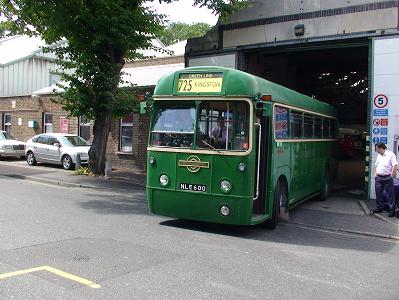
column 176, row 32
column 5, row 27
column 83, row 171
column 101, row 35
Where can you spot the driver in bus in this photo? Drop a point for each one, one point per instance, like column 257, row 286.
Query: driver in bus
column 219, row 134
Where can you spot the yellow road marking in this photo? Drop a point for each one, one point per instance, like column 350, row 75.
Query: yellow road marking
column 66, row 275
column 21, row 272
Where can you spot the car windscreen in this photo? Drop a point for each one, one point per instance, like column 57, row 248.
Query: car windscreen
column 73, row 141
column 6, row 136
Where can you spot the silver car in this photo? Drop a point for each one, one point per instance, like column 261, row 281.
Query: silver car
column 57, row 148
column 9, row 146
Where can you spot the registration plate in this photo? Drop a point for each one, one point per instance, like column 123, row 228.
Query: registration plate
column 193, row 187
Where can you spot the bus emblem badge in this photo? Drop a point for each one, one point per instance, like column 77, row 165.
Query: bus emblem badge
column 193, row 164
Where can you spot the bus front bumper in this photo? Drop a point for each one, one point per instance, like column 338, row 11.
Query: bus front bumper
column 200, row 207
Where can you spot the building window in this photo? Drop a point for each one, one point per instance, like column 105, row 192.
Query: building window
column 7, row 122
column 47, row 122
column 84, row 128
column 126, row 133
column 54, row 78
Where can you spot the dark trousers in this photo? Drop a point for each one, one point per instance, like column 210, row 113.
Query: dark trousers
column 385, row 184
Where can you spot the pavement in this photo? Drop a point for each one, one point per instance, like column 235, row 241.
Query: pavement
column 344, row 211
column 119, row 180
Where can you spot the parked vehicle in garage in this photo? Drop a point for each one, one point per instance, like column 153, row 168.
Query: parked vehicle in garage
column 350, row 142
column 57, row 148
column 9, row 146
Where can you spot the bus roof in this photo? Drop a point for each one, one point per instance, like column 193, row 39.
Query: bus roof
column 240, row 84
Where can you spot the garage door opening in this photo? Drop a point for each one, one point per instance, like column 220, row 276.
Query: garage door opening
column 338, row 76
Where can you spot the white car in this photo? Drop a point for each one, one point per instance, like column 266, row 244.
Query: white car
column 9, row 146
column 57, row 148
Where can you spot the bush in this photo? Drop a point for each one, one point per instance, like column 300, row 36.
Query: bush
column 83, row 171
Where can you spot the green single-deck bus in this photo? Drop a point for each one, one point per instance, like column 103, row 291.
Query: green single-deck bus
column 228, row 147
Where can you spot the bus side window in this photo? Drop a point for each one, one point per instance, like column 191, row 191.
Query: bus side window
column 334, row 130
column 308, row 126
column 281, row 122
column 326, row 129
column 296, row 125
column 318, row 134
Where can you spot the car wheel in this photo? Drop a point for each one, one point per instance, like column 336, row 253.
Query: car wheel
column 67, row 162
column 30, row 159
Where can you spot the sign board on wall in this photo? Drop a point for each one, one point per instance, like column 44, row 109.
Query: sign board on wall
column 384, row 99
column 64, row 125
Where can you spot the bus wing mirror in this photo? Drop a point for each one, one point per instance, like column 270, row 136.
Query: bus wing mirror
column 143, row 108
column 265, row 108
column 146, row 104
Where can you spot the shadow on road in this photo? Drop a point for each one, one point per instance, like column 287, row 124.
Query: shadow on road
column 117, row 204
column 287, row 233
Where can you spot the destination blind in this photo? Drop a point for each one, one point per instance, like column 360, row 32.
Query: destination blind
column 200, row 83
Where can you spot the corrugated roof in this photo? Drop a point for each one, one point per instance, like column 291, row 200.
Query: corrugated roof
column 18, row 47
column 148, row 76
column 140, row 76
column 178, row 48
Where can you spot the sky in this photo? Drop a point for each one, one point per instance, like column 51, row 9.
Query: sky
column 184, row 11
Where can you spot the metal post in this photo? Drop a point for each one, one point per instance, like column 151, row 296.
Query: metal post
column 78, row 161
column 108, row 166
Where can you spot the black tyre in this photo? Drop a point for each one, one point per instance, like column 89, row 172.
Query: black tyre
column 280, row 206
column 30, row 159
column 67, row 163
column 326, row 187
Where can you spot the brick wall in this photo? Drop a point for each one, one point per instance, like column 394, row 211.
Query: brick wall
column 25, row 109
column 136, row 160
column 32, row 108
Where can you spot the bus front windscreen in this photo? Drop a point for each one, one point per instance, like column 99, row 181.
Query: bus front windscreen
column 209, row 125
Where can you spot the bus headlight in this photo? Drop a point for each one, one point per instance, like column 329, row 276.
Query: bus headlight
column 164, row 180
column 151, row 160
column 241, row 167
column 225, row 210
column 225, row 186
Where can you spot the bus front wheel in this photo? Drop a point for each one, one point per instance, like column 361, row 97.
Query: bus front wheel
column 280, row 206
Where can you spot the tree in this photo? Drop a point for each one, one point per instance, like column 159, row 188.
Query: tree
column 176, row 32
column 101, row 35
column 5, row 27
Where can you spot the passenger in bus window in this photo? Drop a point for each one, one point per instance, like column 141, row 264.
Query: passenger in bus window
column 219, row 134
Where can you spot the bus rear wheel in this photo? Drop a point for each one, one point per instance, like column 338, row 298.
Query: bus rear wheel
column 280, row 206
column 325, row 189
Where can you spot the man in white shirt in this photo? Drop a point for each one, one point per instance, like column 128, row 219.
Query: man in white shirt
column 219, row 134
column 385, row 171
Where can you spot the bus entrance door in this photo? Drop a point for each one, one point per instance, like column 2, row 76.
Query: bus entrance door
column 261, row 163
